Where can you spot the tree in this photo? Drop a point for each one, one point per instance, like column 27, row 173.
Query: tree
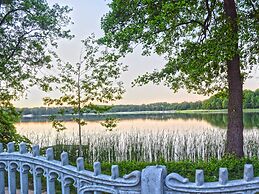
column 257, row 98
column 209, row 46
column 9, row 115
column 248, row 99
column 29, row 31
column 110, row 123
column 94, row 79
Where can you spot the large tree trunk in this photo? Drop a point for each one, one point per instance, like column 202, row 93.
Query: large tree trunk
column 235, row 86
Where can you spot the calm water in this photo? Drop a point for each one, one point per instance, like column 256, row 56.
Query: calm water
column 40, row 128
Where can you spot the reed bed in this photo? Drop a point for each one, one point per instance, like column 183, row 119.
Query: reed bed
column 147, row 146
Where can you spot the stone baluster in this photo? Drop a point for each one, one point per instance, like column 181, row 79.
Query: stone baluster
column 2, row 178
column 199, row 177
column 97, row 171
column 152, row 179
column 223, row 176
column 248, row 172
column 64, row 183
column 35, row 150
column 37, row 173
column 50, row 177
column 1, row 148
column 80, row 167
column 11, row 171
column 24, row 171
column 2, row 171
column 37, row 184
column 115, row 171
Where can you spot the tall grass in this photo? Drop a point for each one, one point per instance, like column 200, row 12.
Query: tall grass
column 147, row 146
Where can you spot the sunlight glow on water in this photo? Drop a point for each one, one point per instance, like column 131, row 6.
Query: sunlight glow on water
column 44, row 130
column 127, row 125
column 183, row 124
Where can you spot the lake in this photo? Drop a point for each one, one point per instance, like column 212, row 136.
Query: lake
column 146, row 136
column 151, row 122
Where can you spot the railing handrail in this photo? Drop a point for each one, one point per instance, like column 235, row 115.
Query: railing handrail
column 151, row 180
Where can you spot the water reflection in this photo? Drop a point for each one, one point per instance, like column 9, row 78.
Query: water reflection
column 40, row 131
column 219, row 120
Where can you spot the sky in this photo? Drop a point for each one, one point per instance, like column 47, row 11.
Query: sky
column 86, row 16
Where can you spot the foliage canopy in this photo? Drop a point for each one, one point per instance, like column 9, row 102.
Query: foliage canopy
column 94, row 79
column 8, row 116
column 194, row 36
column 29, row 31
column 209, row 46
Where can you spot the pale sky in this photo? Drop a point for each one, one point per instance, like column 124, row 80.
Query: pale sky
column 86, row 16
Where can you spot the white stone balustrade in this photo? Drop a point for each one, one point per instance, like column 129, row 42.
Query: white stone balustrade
column 151, row 180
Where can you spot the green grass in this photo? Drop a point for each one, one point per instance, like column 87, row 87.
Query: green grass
column 256, row 110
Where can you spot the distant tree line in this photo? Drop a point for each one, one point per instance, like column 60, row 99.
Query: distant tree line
column 220, row 100
column 217, row 101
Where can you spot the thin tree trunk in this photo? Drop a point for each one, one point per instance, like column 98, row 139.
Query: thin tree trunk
column 79, row 110
column 235, row 86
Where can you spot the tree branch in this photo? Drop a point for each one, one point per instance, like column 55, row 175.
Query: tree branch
column 20, row 39
column 255, row 13
column 7, row 14
column 253, row 6
column 10, row 12
column 206, row 23
column 180, row 24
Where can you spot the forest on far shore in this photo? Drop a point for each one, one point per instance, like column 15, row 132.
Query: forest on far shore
column 217, row 101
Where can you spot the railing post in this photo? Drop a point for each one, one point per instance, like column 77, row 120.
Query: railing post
column 65, row 183
column 248, row 172
column 80, row 167
column 223, row 176
column 2, row 184
column 24, row 170
column 152, row 179
column 11, row 171
column 2, row 169
column 12, row 178
column 37, row 186
column 199, row 177
column 115, row 171
column 50, row 177
column 51, row 184
column 97, row 171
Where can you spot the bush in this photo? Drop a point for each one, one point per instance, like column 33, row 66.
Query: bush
column 185, row 168
column 8, row 133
